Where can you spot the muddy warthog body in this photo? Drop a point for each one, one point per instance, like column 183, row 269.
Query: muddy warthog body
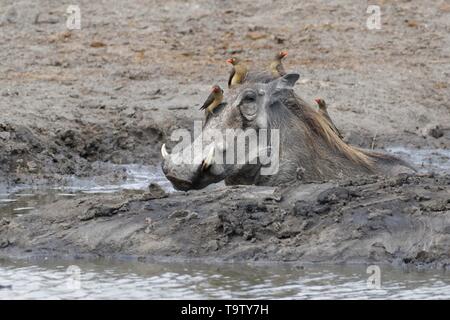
column 307, row 148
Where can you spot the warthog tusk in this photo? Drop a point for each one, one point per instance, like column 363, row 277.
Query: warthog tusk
column 164, row 152
column 208, row 160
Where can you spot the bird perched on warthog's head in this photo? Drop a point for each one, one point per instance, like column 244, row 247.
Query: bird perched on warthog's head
column 306, row 142
column 214, row 100
column 238, row 73
column 276, row 66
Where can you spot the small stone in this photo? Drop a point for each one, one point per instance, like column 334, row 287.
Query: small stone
column 45, row 18
column 66, row 226
column 302, row 208
column 10, row 16
column 5, row 135
column 432, row 130
column 333, row 195
column 256, row 35
column 436, row 132
column 422, row 197
column 411, row 23
column 179, row 214
column 32, row 166
column 234, row 51
column 4, row 243
column 248, row 235
column 97, row 44
column 155, row 192
column 279, row 39
column 192, row 215
column 213, row 245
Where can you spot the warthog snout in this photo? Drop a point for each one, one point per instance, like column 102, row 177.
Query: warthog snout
column 179, row 184
column 187, row 175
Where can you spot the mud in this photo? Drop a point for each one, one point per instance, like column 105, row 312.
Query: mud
column 72, row 102
column 404, row 221
column 114, row 90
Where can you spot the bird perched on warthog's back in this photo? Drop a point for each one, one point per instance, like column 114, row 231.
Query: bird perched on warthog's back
column 323, row 111
column 276, row 66
column 213, row 101
column 238, row 73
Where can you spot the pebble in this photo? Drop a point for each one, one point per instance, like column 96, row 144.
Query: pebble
column 10, row 16
column 433, row 130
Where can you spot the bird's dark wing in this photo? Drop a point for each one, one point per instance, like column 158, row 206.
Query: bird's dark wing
column 281, row 70
column 231, row 77
column 331, row 123
column 338, row 132
column 208, row 101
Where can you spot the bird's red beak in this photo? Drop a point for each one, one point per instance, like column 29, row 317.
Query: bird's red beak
column 317, row 100
column 283, row 54
column 230, row 61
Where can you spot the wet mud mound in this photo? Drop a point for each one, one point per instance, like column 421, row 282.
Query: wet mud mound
column 402, row 220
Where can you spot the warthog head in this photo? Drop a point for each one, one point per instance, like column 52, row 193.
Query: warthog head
column 240, row 142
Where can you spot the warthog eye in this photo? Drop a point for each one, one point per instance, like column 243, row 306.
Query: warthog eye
column 248, row 105
column 249, row 99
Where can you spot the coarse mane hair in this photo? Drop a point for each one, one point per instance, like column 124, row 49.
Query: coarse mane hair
column 318, row 126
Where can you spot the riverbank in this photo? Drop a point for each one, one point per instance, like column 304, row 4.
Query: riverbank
column 402, row 220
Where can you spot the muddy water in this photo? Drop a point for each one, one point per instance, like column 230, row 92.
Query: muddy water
column 133, row 280
column 424, row 160
column 21, row 199
column 124, row 280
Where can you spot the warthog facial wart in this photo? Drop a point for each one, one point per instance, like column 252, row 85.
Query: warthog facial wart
column 243, row 146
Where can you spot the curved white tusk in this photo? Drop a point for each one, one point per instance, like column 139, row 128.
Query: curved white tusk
column 164, row 152
column 209, row 160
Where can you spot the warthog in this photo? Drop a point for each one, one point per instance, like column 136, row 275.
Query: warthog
column 308, row 148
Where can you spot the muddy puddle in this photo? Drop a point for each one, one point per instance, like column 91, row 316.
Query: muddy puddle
column 20, row 199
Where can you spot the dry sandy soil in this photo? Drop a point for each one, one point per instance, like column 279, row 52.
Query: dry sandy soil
column 114, row 91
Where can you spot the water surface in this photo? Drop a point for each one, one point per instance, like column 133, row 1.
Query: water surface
column 102, row 279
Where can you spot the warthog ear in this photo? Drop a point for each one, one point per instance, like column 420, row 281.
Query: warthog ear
column 287, row 81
